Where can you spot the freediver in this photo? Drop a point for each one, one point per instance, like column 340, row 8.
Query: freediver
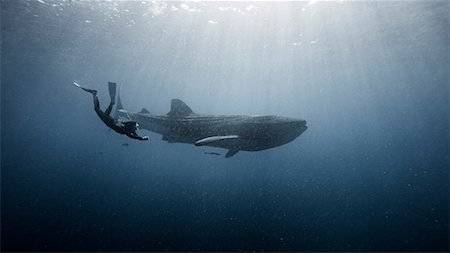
column 127, row 128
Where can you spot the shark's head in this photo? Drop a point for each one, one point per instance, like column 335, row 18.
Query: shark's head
column 298, row 126
column 280, row 130
column 289, row 128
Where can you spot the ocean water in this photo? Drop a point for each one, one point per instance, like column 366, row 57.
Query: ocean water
column 369, row 174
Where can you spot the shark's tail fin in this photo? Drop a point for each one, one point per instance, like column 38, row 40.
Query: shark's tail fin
column 112, row 91
column 119, row 105
column 120, row 111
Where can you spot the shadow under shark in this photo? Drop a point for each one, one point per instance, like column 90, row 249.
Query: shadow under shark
column 232, row 132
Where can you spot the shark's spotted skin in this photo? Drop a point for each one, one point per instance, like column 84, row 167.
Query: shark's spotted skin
column 235, row 132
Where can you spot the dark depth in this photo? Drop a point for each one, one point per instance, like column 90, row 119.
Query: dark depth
column 369, row 174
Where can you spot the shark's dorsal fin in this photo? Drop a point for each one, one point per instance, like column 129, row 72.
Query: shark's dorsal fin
column 179, row 109
column 143, row 110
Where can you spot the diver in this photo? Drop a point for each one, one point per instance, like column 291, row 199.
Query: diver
column 127, row 128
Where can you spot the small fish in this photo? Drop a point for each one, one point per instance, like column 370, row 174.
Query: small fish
column 212, row 153
column 125, row 144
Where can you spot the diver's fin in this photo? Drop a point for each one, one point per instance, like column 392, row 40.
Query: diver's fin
column 231, row 153
column 94, row 92
column 112, row 91
column 209, row 140
column 143, row 110
column 179, row 109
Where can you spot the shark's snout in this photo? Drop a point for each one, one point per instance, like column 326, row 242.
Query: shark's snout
column 301, row 122
column 300, row 125
column 297, row 123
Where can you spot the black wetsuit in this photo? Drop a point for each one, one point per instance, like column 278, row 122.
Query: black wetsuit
column 127, row 128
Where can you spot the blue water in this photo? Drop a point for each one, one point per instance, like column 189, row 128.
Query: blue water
column 369, row 174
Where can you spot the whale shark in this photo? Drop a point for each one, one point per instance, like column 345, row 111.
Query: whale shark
column 232, row 132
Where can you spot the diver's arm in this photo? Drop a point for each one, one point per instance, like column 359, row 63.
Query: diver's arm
column 137, row 137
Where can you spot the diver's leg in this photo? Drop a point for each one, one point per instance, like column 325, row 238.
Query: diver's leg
column 96, row 102
column 109, row 109
column 112, row 95
column 94, row 94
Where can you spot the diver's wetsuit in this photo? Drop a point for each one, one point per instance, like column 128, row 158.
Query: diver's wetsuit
column 127, row 128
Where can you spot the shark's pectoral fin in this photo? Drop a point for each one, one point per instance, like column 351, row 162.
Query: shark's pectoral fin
column 231, row 153
column 212, row 139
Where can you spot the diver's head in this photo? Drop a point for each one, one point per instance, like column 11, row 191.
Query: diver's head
column 130, row 126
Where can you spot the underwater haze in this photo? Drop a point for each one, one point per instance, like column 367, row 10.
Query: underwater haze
column 370, row 78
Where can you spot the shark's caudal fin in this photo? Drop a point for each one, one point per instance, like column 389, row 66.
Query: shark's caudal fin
column 120, row 112
column 179, row 109
column 119, row 105
column 143, row 110
column 112, row 91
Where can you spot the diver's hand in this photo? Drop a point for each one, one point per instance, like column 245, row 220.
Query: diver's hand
column 137, row 137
